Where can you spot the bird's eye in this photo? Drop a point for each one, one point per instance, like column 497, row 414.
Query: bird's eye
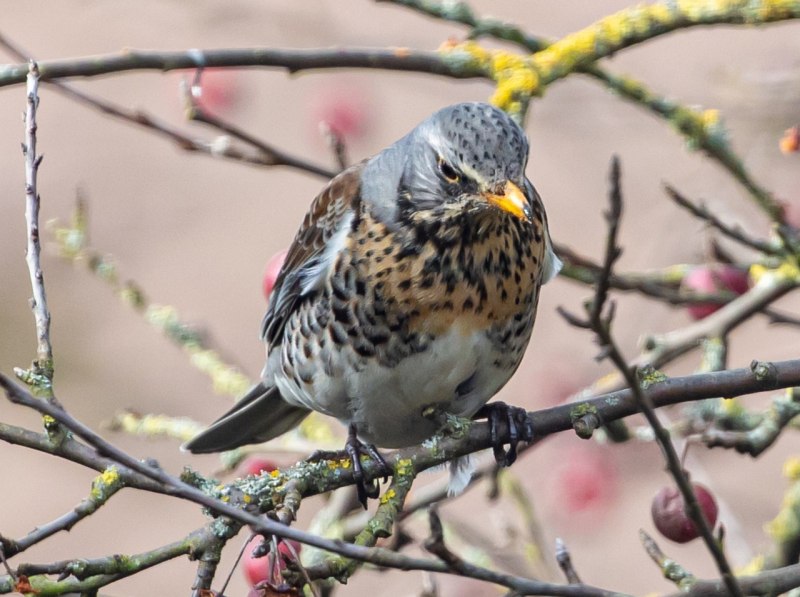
column 450, row 174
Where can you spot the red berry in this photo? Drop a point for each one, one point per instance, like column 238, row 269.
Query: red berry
column 256, row 466
column 586, row 481
column 219, row 90
column 670, row 517
column 255, row 569
column 272, row 270
column 345, row 110
column 287, row 548
column 714, row 278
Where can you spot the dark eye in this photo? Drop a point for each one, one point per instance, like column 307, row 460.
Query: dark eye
column 450, row 174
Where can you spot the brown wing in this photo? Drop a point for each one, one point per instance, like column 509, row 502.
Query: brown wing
column 304, row 261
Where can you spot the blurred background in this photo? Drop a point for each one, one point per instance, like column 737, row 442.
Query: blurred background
column 196, row 233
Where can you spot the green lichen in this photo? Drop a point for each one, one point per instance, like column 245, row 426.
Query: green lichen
column 650, row 376
column 581, row 410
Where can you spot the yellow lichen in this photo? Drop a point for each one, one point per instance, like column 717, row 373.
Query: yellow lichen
column 791, row 468
column 754, row 566
column 516, row 80
column 787, row 270
column 514, row 74
column 404, row 466
column 106, row 480
column 390, row 494
column 784, row 526
column 732, row 408
column 110, row 476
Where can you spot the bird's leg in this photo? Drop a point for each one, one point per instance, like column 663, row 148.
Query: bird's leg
column 520, row 428
column 354, row 448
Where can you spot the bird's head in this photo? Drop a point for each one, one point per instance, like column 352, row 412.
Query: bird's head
column 466, row 158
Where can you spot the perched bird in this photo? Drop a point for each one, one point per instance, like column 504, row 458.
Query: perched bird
column 409, row 292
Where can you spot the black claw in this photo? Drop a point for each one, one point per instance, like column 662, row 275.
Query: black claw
column 520, row 428
column 355, row 448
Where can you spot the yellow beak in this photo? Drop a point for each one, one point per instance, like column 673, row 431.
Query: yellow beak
column 512, row 200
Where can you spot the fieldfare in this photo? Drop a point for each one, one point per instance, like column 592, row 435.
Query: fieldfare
column 409, row 293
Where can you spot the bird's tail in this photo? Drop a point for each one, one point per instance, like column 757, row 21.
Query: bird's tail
column 258, row 417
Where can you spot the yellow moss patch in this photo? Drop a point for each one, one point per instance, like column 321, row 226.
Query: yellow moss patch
column 791, row 468
column 404, row 467
column 514, row 74
column 787, row 270
column 390, row 494
column 754, row 566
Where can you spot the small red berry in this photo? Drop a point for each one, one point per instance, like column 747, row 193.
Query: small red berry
column 288, row 548
column 272, row 270
column 714, row 278
column 255, row 569
column 256, row 466
column 586, row 481
column 345, row 111
column 670, row 517
column 219, row 90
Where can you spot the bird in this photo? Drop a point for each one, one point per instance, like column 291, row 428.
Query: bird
column 408, row 294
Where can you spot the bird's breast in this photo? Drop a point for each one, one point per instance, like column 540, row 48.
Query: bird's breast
column 446, row 278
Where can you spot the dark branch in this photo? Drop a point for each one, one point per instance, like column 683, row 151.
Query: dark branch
column 290, row 60
column 732, row 232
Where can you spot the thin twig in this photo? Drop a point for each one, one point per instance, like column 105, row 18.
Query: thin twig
column 732, row 232
column 44, row 350
column 671, row 569
column 290, row 60
column 600, row 324
column 103, row 487
column 270, row 156
column 435, row 544
column 768, row 582
column 336, row 143
column 3, row 559
column 565, row 562
column 274, row 157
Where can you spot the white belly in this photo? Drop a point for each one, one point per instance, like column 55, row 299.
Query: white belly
column 387, row 403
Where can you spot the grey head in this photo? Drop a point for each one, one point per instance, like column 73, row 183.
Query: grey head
column 458, row 154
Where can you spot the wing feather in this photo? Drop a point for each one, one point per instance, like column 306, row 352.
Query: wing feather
column 313, row 250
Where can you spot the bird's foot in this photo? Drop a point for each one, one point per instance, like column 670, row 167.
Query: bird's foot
column 367, row 488
column 520, row 428
column 354, row 448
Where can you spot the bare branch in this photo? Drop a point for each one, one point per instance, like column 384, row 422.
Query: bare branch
column 44, row 351
column 732, row 232
column 268, row 155
column 290, row 60
column 273, row 157
column 103, row 487
column 671, row 569
column 565, row 562
column 602, row 328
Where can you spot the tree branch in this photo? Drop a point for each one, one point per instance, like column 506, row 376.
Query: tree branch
column 43, row 366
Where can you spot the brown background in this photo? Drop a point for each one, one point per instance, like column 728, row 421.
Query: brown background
column 196, row 233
